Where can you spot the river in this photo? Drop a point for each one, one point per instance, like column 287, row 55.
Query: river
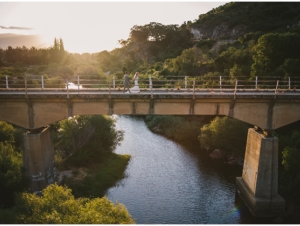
column 167, row 183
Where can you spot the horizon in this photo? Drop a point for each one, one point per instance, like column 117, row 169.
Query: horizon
column 94, row 26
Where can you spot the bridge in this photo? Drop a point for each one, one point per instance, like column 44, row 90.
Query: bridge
column 267, row 105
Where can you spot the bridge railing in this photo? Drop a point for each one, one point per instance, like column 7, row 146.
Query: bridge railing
column 153, row 83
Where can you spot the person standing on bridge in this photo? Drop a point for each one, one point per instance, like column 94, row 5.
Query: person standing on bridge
column 136, row 88
column 126, row 82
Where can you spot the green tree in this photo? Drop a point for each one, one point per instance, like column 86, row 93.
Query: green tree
column 225, row 133
column 58, row 206
column 174, row 127
column 10, row 173
column 83, row 138
column 289, row 173
column 6, row 132
column 272, row 51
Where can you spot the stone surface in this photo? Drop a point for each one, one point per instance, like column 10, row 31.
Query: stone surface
column 218, row 154
column 258, row 186
column 38, row 159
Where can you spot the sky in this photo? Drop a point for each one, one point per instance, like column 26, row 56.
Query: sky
column 93, row 26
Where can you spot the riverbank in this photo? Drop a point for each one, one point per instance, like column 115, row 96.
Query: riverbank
column 94, row 179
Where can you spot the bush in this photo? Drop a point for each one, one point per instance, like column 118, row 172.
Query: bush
column 177, row 128
column 225, row 133
column 58, row 206
column 11, row 171
column 289, row 173
column 83, row 138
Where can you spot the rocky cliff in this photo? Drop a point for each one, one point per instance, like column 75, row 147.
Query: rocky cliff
column 221, row 31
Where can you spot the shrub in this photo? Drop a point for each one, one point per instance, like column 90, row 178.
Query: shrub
column 225, row 133
column 58, row 206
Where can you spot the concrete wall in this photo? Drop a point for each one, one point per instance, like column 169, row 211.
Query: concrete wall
column 38, row 159
column 258, row 186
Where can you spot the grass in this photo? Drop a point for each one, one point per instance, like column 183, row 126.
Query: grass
column 100, row 176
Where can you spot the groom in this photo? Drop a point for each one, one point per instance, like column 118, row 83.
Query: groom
column 126, row 82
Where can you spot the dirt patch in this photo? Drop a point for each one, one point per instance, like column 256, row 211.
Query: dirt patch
column 75, row 174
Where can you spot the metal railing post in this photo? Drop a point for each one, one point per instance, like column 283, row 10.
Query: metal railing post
column 109, row 85
column 78, row 82
column 26, row 85
column 67, row 88
column 42, row 82
column 151, row 87
column 185, row 82
column 6, row 82
column 220, row 82
column 255, row 82
column 236, row 82
column 194, row 81
column 150, row 82
column 114, row 82
column 289, row 83
column 276, row 86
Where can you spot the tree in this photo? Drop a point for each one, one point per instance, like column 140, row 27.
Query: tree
column 289, row 175
column 82, row 138
column 10, row 174
column 6, row 132
column 58, row 206
column 272, row 51
column 225, row 133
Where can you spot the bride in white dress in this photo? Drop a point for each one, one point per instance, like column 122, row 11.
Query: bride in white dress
column 136, row 88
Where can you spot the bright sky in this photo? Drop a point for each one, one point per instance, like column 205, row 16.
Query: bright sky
column 94, row 26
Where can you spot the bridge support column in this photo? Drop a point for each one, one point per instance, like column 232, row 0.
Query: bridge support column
column 38, row 158
column 258, row 186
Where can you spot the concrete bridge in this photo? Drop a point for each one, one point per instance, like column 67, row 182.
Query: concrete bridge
column 267, row 109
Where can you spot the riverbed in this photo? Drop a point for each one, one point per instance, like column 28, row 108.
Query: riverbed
column 168, row 183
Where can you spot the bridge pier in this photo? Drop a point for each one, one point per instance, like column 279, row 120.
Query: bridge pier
column 258, row 186
column 38, row 158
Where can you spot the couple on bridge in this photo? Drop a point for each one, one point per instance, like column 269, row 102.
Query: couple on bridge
column 136, row 88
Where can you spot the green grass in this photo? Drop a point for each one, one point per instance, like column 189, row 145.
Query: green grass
column 101, row 176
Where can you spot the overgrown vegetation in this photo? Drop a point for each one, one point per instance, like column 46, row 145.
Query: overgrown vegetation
column 100, row 176
column 225, row 133
column 58, row 206
column 178, row 128
column 289, row 167
column 11, row 169
column 82, row 140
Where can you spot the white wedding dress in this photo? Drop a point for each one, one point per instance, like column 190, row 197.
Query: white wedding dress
column 136, row 88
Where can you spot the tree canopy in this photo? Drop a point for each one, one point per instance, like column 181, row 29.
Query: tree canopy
column 57, row 205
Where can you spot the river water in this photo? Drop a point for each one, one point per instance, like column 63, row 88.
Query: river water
column 167, row 183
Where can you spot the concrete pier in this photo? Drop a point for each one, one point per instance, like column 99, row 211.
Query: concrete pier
column 258, row 186
column 38, row 158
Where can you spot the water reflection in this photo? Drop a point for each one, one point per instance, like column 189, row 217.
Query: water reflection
column 167, row 183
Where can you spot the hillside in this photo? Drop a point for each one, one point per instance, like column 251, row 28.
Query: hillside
column 233, row 40
column 235, row 19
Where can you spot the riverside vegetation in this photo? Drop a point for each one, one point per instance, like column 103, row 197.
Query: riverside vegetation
column 80, row 142
column 240, row 40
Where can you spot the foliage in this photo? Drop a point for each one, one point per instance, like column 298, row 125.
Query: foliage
column 274, row 52
column 10, row 173
column 289, row 173
column 256, row 16
column 83, row 138
column 174, row 127
column 6, row 132
column 58, row 206
column 224, row 133
column 102, row 175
